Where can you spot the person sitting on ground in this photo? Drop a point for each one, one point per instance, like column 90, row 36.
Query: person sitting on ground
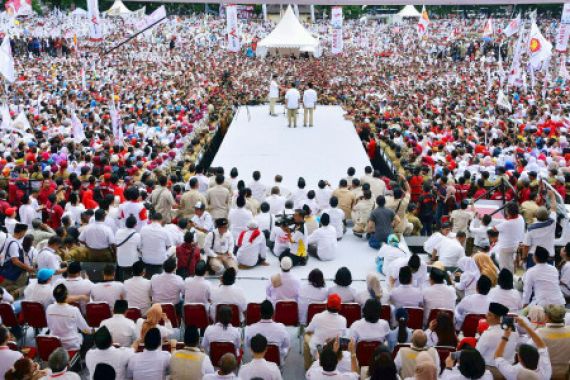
column 389, row 252
column 381, row 223
column 190, row 362
column 219, row 248
column 406, row 358
column 251, row 247
column 122, row 329
column 323, row 242
column 187, row 256
column 258, row 366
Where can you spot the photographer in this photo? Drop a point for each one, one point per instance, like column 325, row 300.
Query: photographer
column 330, row 358
column 465, row 364
column 528, row 357
column 298, row 241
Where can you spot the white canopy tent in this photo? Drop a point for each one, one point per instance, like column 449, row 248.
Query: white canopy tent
column 409, row 11
column 79, row 12
column 118, row 9
column 288, row 37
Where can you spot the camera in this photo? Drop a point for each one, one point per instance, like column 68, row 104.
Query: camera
column 343, row 343
column 508, row 322
column 456, row 355
column 284, row 220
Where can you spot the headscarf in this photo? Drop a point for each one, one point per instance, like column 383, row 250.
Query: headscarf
column 373, row 286
column 425, row 367
column 486, row 266
column 393, row 240
column 153, row 317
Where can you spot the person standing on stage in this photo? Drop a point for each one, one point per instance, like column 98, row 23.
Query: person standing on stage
column 309, row 104
column 292, row 97
column 273, row 95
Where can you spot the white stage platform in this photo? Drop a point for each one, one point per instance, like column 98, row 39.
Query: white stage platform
column 265, row 143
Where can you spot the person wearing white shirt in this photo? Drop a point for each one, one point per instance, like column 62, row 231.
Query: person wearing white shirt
column 99, row 238
column 239, row 217
column 470, row 273
column 504, row 293
column 74, row 209
column 222, row 331
column 541, row 282
column 541, row 233
column 265, row 221
column 27, row 212
column 323, row 195
column 151, row 364
column 276, row 201
column 471, row 365
column 41, row 289
column 370, row 327
column 418, row 267
column 228, row 293
column 138, row 289
column 438, row 295
column 314, row 291
column 167, row 287
column 197, row 289
column 326, row 325
column 65, row 321
column 128, row 248
column 337, row 217
column 342, row 285
column 202, row 223
column 328, row 365
column 323, row 241
column 251, row 247
column 309, row 104
column 109, row 290
column 219, row 248
column 104, row 352
column 292, row 97
column 49, row 259
column 258, row 366
column 390, row 251
column 406, row 295
column 155, row 242
column 258, row 189
column 284, row 285
column 7, row 356
column 449, row 250
column 176, row 231
column 478, row 231
column 511, row 234
column 475, row 303
column 490, row 338
column 275, row 333
column 75, row 283
column 273, row 95
column 122, row 329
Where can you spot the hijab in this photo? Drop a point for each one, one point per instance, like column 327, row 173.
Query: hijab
column 486, row 266
column 153, row 317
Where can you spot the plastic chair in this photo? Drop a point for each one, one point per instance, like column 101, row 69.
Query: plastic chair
column 133, row 313
column 273, row 355
column 444, row 352
column 313, row 309
column 96, row 312
column 470, row 323
column 235, row 314
column 364, row 352
column 34, row 315
column 170, row 311
column 8, row 315
column 287, row 312
column 351, row 311
column 386, row 313
column 252, row 313
column 415, row 317
column 195, row 314
column 218, row 349
column 46, row 344
column 434, row 312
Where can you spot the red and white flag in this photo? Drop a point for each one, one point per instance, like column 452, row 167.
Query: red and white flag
column 513, row 26
column 233, row 30
column 18, row 7
column 423, row 22
column 489, row 30
column 95, row 27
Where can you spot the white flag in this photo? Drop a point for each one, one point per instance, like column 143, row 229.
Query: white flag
column 77, row 128
column 513, row 26
column 232, row 28
column 489, row 30
column 6, row 118
column 503, row 101
column 95, row 27
column 423, row 23
column 153, row 18
column 539, row 48
column 336, row 24
column 21, row 122
column 7, row 61
column 563, row 72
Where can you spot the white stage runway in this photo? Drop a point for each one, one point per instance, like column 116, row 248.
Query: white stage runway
column 265, row 143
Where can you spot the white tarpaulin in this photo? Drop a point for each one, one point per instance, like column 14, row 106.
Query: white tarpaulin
column 336, row 24
column 289, row 34
column 79, row 12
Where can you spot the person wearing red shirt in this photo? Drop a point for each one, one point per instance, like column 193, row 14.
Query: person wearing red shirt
column 416, row 182
column 187, row 255
column 560, row 186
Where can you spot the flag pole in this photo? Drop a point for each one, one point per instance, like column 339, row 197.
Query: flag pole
column 133, row 36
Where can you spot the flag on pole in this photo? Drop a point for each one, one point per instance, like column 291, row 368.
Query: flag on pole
column 154, row 17
column 6, row 119
column 232, row 28
column 423, row 22
column 539, row 48
column 513, row 26
column 77, row 128
column 489, row 30
column 7, row 61
column 95, row 28
column 21, row 122
column 503, row 101
column 264, row 9
column 312, row 7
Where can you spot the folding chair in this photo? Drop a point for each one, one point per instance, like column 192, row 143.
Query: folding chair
column 443, row 352
column 133, row 313
column 195, row 314
column 386, row 313
column 8, row 315
column 236, row 322
column 34, row 315
column 273, row 355
column 287, row 312
column 415, row 317
column 46, row 344
column 470, row 323
column 313, row 309
column 170, row 311
column 434, row 312
column 364, row 352
column 351, row 311
column 218, row 349
column 252, row 313
column 96, row 312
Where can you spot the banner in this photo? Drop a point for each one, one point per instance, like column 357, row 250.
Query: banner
column 296, row 10
column 264, row 9
column 7, row 61
column 312, row 13
column 489, row 29
column 563, row 29
column 233, row 32
column 336, row 24
column 95, row 29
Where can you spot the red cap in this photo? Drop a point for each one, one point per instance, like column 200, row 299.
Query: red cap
column 334, row 301
column 10, row 211
column 467, row 341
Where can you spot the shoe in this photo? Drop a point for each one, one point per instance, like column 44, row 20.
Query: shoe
column 240, row 266
column 264, row 263
column 310, row 126
column 304, row 125
column 357, row 234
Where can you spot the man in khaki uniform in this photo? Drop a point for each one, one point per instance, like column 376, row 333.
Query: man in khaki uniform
column 162, row 199
column 189, row 200
column 361, row 212
column 556, row 336
column 219, row 199
column 399, row 204
column 190, row 362
column 345, row 198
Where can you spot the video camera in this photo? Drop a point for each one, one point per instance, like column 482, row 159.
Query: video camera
column 284, row 220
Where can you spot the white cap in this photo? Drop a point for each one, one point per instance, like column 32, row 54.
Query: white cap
column 286, row 263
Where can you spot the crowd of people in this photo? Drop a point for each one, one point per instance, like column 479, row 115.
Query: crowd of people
column 103, row 163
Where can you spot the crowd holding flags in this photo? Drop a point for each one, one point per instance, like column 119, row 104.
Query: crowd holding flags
column 7, row 61
column 423, row 23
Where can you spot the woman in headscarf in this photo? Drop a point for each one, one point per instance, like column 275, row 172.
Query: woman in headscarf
column 87, row 199
column 425, row 368
column 486, row 266
column 373, row 290
column 153, row 318
column 467, row 284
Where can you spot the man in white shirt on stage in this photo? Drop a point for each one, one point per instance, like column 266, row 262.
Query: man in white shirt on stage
column 273, row 95
column 309, row 104
column 292, row 97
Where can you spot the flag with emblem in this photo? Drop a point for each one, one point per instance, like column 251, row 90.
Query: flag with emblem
column 423, row 22
column 539, row 48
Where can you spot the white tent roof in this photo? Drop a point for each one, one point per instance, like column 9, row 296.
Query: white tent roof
column 117, row 9
column 289, row 33
column 409, row 11
column 79, row 12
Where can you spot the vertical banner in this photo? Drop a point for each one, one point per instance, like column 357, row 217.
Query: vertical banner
column 264, row 9
column 95, row 29
column 563, row 29
column 336, row 24
column 296, row 10
column 312, row 13
column 233, row 37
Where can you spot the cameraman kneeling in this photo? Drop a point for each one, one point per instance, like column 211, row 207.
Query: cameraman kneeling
column 297, row 237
